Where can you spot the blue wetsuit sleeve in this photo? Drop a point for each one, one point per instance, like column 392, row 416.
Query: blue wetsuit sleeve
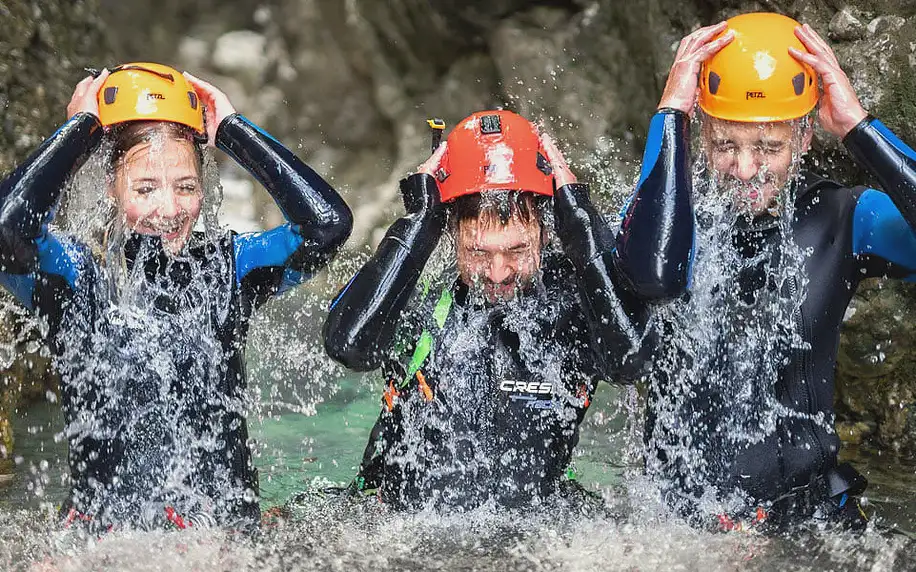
column 655, row 244
column 28, row 197
column 319, row 221
column 267, row 256
column 880, row 230
column 890, row 160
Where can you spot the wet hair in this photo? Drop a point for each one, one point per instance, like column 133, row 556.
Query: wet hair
column 126, row 136
column 501, row 206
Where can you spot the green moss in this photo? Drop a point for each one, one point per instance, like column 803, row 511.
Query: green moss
column 897, row 108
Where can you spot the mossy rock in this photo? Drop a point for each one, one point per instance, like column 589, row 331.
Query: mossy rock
column 44, row 46
column 876, row 364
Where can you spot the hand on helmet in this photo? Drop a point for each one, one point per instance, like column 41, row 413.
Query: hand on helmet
column 85, row 97
column 561, row 171
column 840, row 109
column 416, row 193
column 216, row 105
column 431, row 165
column 683, row 79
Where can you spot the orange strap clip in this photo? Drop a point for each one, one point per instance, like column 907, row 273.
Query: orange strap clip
column 583, row 394
column 424, row 387
column 389, row 395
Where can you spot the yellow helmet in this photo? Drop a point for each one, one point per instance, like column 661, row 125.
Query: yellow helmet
column 149, row 92
column 754, row 78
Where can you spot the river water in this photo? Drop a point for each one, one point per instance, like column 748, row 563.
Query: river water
column 297, row 451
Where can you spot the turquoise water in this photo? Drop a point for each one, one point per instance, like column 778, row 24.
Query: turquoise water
column 294, row 450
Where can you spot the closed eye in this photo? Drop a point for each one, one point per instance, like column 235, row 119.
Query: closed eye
column 771, row 149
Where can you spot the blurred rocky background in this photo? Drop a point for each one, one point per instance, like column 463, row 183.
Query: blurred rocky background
column 348, row 85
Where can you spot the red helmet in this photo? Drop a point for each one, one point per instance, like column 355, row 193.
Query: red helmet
column 494, row 151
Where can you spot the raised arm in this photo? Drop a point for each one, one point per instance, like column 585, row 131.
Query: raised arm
column 883, row 224
column 889, row 160
column 616, row 317
column 655, row 244
column 364, row 316
column 319, row 221
column 30, row 193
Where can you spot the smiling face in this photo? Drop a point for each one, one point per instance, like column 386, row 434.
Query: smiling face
column 754, row 160
column 157, row 187
column 499, row 256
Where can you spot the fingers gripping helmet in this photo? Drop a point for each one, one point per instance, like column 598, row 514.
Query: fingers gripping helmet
column 149, row 92
column 754, row 78
column 494, row 151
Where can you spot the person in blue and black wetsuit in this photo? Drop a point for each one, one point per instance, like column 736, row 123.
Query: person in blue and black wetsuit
column 490, row 368
column 756, row 77
column 148, row 330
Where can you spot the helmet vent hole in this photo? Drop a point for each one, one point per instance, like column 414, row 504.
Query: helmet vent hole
column 544, row 165
column 109, row 95
column 192, row 98
column 798, row 82
column 714, row 81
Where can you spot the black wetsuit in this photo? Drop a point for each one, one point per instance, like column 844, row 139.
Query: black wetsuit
column 483, row 403
column 846, row 235
column 153, row 373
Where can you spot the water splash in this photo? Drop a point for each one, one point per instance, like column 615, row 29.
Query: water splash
column 714, row 385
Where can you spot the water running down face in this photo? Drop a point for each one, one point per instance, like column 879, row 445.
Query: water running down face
column 158, row 189
column 754, row 160
column 498, row 259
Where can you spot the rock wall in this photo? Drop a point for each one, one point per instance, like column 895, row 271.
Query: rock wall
column 43, row 49
column 348, row 85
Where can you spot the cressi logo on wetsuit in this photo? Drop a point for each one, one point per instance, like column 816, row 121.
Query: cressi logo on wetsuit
column 513, row 386
column 529, row 393
column 488, row 416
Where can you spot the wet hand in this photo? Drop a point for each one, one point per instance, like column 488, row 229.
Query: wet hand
column 840, row 109
column 683, row 79
column 216, row 105
column 432, row 165
column 562, row 174
column 85, row 98
column 419, row 196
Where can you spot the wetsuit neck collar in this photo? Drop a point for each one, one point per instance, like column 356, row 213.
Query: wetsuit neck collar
column 142, row 246
column 148, row 251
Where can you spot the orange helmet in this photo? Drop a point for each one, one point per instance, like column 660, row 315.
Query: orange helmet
column 494, row 151
column 149, row 92
column 754, row 78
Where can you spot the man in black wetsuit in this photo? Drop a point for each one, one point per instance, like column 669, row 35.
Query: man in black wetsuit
column 490, row 370
column 758, row 87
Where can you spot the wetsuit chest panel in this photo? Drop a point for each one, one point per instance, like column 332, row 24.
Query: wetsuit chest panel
column 823, row 228
column 807, row 445
column 509, row 398
column 152, row 386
